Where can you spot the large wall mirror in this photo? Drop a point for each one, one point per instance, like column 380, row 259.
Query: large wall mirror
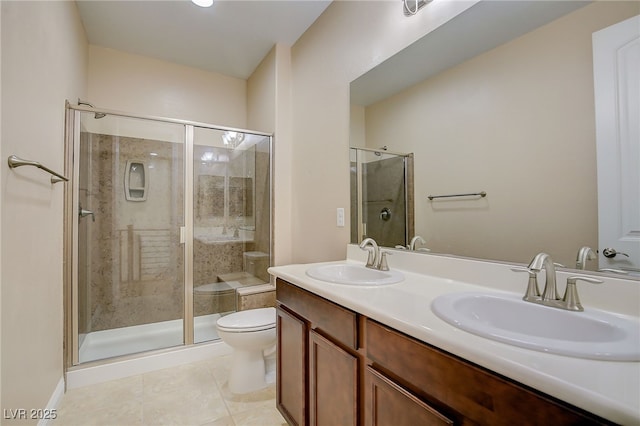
column 501, row 100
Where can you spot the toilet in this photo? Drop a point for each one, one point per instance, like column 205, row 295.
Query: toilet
column 252, row 335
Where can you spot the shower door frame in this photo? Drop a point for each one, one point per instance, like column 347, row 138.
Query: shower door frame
column 71, row 225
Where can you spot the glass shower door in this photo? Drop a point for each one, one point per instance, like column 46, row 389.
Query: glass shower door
column 130, row 286
column 231, row 222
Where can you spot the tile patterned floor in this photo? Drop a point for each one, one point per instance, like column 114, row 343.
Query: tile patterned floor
column 192, row 394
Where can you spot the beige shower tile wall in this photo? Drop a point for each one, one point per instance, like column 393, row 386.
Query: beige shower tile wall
column 210, row 260
column 263, row 299
column 219, row 302
column 119, row 285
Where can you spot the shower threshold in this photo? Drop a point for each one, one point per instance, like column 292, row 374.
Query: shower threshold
column 104, row 344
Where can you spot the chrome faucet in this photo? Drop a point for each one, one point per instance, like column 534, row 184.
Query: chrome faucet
column 544, row 261
column 585, row 253
column 570, row 301
column 377, row 258
column 414, row 240
column 374, row 252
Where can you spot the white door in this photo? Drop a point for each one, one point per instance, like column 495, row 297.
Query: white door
column 616, row 69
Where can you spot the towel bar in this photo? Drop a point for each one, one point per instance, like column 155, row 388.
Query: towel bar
column 15, row 161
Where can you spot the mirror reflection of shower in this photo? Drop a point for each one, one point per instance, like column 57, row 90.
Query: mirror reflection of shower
column 378, row 153
column 381, row 196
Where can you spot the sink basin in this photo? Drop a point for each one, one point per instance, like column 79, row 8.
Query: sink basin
column 592, row 334
column 341, row 273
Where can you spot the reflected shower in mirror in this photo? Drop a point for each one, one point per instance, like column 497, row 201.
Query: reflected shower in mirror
column 505, row 105
column 382, row 205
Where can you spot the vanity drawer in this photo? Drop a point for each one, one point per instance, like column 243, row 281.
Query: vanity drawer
column 333, row 320
column 467, row 391
column 386, row 403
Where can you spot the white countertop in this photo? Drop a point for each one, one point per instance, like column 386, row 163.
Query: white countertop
column 606, row 388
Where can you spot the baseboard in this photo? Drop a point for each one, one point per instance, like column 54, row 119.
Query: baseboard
column 49, row 412
column 131, row 366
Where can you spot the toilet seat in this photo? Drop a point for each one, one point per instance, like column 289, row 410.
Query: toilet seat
column 247, row 321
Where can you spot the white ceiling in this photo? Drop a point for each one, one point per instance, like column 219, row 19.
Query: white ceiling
column 230, row 38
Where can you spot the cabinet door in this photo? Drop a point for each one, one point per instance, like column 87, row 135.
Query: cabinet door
column 291, row 370
column 386, row 403
column 333, row 383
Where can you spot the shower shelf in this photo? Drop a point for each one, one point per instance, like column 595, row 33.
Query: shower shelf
column 136, row 182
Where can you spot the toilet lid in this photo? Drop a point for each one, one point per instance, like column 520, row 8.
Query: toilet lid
column 249, row 320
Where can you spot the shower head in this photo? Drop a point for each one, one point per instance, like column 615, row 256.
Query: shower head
column 378, row 153
column 97, row 115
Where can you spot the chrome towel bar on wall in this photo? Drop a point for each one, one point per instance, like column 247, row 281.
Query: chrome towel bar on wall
column 15, row 161
column 481, row 194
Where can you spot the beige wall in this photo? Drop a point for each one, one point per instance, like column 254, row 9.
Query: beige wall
column 146, row 86
column 357, row 138
column 517, row 122
column 261, row 95
column 348, row 39
column 269, row 111
column 44, row 55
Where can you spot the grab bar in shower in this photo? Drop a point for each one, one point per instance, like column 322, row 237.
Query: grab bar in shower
column 481, row 194
column 15, row 161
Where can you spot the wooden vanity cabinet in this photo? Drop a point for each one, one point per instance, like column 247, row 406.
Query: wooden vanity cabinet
column 291, row 369
column 336, row 367
column 318, row 360
column 457, row 390
column 387, row 403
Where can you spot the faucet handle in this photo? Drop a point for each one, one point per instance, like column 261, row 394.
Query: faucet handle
column 383, row 265
column 571, row 301
column 533, row 291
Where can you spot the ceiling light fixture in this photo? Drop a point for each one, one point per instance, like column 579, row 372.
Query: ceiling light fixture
column 203, row 3
column 232, row 139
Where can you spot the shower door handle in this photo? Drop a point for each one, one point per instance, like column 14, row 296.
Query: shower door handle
column 82, row 213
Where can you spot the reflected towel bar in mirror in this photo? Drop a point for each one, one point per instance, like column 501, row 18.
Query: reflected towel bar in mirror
column 15, row 161
column 481, row 194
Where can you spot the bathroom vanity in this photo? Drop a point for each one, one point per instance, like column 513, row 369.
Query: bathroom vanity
column 379, row 356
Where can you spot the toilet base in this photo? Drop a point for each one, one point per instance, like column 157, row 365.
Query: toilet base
column 270, row 365
column 247, row 372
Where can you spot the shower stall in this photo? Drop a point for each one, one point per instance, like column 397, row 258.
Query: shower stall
column 165, row 220
column 381, row 196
